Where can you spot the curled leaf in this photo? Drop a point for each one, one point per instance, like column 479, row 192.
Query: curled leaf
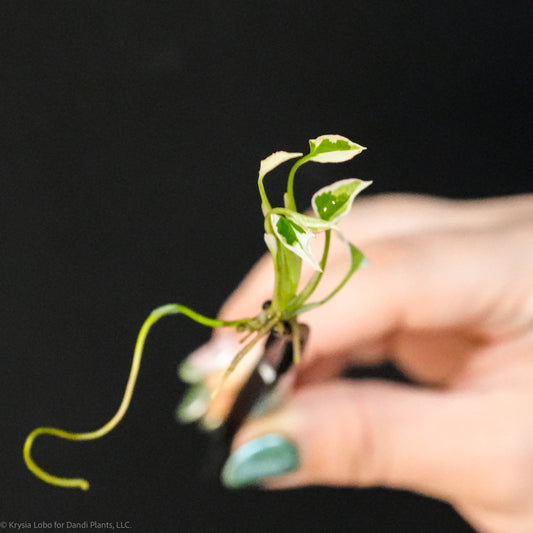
column 333, row 202
column 295, row 238
column 274, row 160
column 333, row 149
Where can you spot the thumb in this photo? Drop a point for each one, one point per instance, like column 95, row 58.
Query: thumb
column 366, row 434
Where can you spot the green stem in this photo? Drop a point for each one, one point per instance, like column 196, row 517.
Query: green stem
column 312, row 284
column 265, row 204
column 287, row 266
column 154, row 316
column 197, row 317
column 289, row 195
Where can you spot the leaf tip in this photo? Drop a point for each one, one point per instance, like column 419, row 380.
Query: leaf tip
column 274, row 160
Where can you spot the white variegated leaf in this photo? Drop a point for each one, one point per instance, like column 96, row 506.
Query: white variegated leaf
column 295, row 238
column 274, row 160
column 333, row 149
column 333, row 202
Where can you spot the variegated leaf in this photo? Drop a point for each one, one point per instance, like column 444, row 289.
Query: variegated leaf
column 333, row 149
column 274, row 160
column 333, row 202
column 295, row 238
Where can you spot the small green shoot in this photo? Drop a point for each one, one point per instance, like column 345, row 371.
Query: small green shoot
column 288, row 236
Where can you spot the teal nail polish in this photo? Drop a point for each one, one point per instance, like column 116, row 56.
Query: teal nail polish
column 266, row 456
column 193, row 405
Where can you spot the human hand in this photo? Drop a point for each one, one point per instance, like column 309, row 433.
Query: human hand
column 448, row 299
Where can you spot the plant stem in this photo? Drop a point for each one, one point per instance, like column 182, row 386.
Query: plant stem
column 312, row 284
column 289, row 195
column 154, row 316
column 265, row 204
column 296, row 341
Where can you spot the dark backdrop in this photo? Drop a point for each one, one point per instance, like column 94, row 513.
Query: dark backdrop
column 131, row 138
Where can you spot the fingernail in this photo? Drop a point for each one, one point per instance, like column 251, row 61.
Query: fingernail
column 208, row 425
column 193, row 405
column 213, row 355
column 188, row 373
column 266, row 456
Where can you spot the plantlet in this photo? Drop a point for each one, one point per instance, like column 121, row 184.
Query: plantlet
column 288, row 235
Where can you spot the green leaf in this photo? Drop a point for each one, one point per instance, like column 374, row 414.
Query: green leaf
column 274, row 160
column 333, row 203
column 287, row 267
column 333, row 149
column 294, row 237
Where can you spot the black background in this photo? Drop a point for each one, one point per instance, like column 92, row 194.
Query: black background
column 131, row 138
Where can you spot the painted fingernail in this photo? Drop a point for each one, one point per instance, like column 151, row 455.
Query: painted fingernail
column 193, row 405
column 264, row 457
column 213, row 355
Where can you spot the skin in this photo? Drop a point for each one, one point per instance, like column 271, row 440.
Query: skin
column 448, row 298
